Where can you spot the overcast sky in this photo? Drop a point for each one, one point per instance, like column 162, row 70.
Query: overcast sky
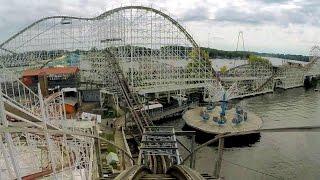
column 278, row 26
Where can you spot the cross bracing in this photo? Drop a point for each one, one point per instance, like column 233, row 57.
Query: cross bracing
column 290, row 75
column 139, row 39
column 313, row 68
column 155, row 54
column 251, row 79
column 34, row 152
column 260, row 78
column 153, row 49
column 293, row 75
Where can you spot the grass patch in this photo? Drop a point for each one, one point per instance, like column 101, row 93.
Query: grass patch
column 109, row 137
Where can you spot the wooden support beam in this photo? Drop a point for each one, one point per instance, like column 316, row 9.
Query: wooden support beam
column 184, row 133
column 158, row 148
column 193, row 155
column 184, row 146
column 98, row 151
column 217, row 167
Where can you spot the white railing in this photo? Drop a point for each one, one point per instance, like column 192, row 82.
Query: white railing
column 54, row 107
column 17, row 93
column 25, row 154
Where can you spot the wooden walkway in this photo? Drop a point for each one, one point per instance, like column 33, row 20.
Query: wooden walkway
column 193, row 119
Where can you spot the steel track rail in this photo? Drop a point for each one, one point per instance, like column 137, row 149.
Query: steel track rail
column 104, row 15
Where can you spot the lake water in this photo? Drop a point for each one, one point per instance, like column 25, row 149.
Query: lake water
column 275, row 155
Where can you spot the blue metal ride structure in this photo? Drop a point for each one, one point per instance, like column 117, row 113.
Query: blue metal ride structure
column 240, row 115
column 204, row 114
column 224, row 104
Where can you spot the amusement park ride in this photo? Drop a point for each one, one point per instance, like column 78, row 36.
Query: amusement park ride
column 218, row 94
column 126, row 51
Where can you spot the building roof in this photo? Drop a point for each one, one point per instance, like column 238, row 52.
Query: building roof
column 50, row 71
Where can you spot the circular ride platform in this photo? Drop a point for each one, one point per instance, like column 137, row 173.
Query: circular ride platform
column 193, row 119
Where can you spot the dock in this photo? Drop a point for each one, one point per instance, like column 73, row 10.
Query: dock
column 193, row 119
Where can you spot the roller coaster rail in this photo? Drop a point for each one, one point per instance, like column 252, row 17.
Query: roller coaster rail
column 132, row 51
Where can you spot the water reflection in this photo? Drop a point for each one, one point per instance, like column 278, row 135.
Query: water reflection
column 275, row 155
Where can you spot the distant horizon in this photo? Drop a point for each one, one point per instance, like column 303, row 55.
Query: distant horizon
column 257, row 52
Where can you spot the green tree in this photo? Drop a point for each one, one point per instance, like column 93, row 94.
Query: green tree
column 223, row 69
column 200, row 59
column 257, row 59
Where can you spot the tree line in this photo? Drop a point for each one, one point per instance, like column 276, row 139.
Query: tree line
column 215, row 53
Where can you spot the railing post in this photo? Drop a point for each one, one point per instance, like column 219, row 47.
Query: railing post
column 217, row 167
column 8, row 138
column 47, row 135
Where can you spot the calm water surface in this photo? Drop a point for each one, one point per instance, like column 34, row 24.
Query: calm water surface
column 279, row 155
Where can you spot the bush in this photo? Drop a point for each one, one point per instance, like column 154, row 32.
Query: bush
column 256, row 59
column 223, row 69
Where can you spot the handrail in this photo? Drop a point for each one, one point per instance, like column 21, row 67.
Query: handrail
column 17, row 92
column 4, row 68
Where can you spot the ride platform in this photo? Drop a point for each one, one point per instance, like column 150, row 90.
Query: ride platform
column 193, row 119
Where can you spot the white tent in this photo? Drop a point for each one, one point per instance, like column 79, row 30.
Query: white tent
column 112, row 158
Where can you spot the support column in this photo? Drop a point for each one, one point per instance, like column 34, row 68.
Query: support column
column 98, row 150
column 117, row 104
column 123, row 161
column 79, row 98
column 7, row 136
column 63, row 115
column 12, row 155
column 47, row 136
column 217, row 168
column 7, row 161
column 100, row 98
column 193, row 155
